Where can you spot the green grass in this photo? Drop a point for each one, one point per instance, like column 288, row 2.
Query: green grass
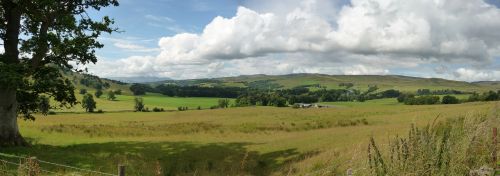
column 235, row 141
column 126, row 102
column 384, row 82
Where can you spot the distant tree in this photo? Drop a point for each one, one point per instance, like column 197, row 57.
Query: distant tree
column 44, row 105
column 111, row 96
column 371, row 88
column 139, row 89
column 402, row 97
column 448, row 99
column 98, row 93
column 83, row 91
column 474, row 97
column 490, row 96
column 88, row 103
column 139, row 104
column 118, row 92
column 223, row 103
column 391, row 93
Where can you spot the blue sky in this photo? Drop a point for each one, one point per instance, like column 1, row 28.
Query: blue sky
column 200, row 39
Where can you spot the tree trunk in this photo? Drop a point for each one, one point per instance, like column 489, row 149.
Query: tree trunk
column 9, row 131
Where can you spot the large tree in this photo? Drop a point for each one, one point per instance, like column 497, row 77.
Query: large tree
column 41, row 37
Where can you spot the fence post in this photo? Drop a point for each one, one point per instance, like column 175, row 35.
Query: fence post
column 495, row 131
column 121, row 170
column 33, row 167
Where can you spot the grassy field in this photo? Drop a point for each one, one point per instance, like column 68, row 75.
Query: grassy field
column 361, row 82
column 235, row 141
column 151, row 100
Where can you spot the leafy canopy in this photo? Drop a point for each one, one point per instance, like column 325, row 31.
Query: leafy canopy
column 41, row 37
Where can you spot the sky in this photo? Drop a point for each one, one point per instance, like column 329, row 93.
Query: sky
column 451, row 39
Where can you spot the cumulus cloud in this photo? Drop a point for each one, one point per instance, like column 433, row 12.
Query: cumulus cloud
column 358, row 37
column 474, row 74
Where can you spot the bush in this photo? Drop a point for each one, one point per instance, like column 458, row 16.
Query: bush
column 98, row 93
column 118, row 92
column 454, row 147
column 448, row 99
column 223, row 103
column 139, row 104
column 51, row 113
column 100, row 111
column 422, row 100
column 182, row 108
column 111, row 96
column 83, row 91
column 155, row 109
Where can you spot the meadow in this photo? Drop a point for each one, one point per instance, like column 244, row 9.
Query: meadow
column 234, row 141
column 126, row 102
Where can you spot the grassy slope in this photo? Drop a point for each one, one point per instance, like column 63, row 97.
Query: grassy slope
column 360, row 81
column 151, row 100
column 216, row 142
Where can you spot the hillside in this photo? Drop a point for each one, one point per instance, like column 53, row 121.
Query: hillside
column 91, row 83
column 404, row 83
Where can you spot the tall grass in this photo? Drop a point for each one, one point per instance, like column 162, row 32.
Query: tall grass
column 451, row 147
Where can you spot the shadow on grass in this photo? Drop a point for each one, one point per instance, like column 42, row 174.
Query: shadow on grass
column 175, row 158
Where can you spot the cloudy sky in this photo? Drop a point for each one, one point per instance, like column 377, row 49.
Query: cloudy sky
column 452, row 39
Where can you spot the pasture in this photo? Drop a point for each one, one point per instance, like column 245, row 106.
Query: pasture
column 151, row 100
column 234, row 141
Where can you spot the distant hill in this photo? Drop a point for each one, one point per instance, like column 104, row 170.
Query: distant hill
column 404, row 83
column 139, row 79
column 92, row 82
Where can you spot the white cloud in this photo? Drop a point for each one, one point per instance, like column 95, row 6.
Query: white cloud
column 467, row 74
column 362, row 37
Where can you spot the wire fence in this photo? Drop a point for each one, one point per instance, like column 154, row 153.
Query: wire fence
column 21, row 166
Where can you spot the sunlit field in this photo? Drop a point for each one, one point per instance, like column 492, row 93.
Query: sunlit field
column 234, row 141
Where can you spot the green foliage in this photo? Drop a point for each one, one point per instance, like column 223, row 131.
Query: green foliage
column 139, row 89
column 111, row 95
column 454, row 147
column 448, row 99
column 223, row 103
column 83, row 91
column 44, row 37
column 346, row 85
column 183, row 108
column 98, row 93
column 88, row 103
column 155, row 109
column 139, row 104
column 118, row 92
column 423, row 100
column 44, row 105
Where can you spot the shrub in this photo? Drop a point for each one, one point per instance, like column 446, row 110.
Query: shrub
column 422, row 100
column 155, row 109
column 88, row 103
column 111, row 95
column 448, row 99
column 118, row 92
column 182, row 108
column 139, row 104
column 100, row 111
column 83, row 91
column 453, row 147
column 98, row 93
column 223, row 103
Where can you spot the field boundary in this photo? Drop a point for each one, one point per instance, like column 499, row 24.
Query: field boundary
column 32, row 165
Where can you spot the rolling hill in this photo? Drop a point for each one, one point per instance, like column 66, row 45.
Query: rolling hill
column 404, row 83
